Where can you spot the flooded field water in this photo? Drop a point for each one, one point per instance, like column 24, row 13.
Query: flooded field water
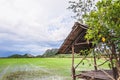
column 40, row 68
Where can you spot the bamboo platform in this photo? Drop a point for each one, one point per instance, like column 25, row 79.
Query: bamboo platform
column 96, row 75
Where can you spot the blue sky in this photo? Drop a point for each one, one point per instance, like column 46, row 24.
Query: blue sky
column 33, row 26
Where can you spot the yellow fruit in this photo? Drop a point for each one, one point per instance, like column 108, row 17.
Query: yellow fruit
column 103, row 39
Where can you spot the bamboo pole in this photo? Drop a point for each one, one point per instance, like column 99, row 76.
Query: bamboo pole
column 73, row 69
column 95, row 63
column 80, row 61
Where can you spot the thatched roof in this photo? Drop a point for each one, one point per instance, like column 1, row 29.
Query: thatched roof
column 76, row 36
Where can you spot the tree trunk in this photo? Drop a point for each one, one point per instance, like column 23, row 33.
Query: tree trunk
column 116, row 68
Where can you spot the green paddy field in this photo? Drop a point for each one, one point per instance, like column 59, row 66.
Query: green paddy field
column 41, row 68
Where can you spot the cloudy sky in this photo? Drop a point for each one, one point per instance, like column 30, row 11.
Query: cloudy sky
column 33, row 26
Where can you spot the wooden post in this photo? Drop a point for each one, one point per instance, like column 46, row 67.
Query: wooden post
column 95, row 63
column 73, row 69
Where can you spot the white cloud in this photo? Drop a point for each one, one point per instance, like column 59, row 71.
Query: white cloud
column 23, row 21
column 32, row 48
column 62, row 26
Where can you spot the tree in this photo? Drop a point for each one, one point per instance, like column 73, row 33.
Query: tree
column 104, row 25
column 81, row 8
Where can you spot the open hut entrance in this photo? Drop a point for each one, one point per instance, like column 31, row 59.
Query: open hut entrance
column 75, row 42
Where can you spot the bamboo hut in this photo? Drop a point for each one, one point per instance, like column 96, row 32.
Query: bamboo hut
column 75, row 42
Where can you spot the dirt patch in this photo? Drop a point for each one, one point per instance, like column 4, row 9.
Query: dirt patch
column 24, row 75
column 32, row 75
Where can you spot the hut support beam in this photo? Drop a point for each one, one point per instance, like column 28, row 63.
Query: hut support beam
column 95, row 63
column 80, row 61
column 73, row 69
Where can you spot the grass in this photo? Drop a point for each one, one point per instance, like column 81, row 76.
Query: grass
column 41, row 68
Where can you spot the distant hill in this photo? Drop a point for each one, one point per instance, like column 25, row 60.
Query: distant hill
column 28, row 55
column 21, row 56
column 15, row 56
column 39, row 56
column 50, row 52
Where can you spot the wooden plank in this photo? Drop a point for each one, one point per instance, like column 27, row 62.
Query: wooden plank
column 82, row 43
column 97, row 75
